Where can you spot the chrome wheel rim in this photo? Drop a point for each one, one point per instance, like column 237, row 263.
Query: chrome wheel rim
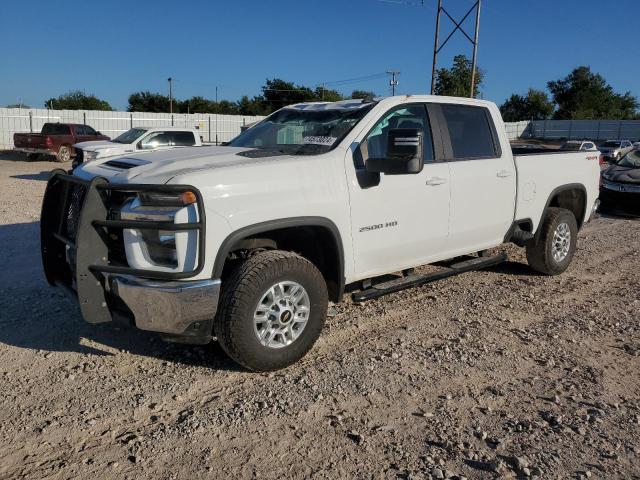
column 561, row 242
column 281, row 314
column 65, row 154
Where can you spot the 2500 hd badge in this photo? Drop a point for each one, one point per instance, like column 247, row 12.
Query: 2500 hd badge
column 370, row 228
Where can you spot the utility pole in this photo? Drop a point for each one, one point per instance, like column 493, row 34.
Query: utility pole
column 170, row 80
column 393, row 82
column 458, row 26
column 475, row 50
column 435, row 50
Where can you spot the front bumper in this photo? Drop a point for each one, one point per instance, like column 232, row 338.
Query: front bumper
column 83, row 251
column 181, row 308
column 616, row 200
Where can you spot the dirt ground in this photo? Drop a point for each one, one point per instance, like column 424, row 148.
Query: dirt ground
column 493, row 374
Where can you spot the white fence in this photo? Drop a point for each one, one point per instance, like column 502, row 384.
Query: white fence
column 516, row 129
column 221, row 128
column 213, row 128
column 586, row 129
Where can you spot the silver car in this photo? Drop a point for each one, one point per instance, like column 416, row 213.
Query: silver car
column 615, row 149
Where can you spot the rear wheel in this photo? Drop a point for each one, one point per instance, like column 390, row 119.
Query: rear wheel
column 272, row 310
column 554, row 250
column 32, row 156
column 64, row 154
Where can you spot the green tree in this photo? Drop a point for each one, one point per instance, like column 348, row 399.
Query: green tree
column 456, row 81
column 148, row 102
column 586, row 95
column 362, row 94
column 323, row 94
column 252, row 106
column 197, row 104
column 535, row 105
column 77, row 100
column 278, row 93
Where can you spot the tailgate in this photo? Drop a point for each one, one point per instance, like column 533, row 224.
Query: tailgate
column 29, row 140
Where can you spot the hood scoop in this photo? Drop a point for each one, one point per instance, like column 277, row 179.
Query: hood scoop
column 124, row 163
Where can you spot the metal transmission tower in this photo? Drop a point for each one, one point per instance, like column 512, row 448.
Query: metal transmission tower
column 474, row 41
column 394, row 81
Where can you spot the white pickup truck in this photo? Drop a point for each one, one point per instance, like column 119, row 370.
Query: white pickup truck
column 136, row 139
column 248, row 242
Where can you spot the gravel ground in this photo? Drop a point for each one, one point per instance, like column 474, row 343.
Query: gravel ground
column 493, row 374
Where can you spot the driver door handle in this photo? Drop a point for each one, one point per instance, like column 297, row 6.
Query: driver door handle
column 433, row 181
column 504, row 173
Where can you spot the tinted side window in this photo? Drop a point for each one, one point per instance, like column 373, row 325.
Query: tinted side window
column 409, row 116
column 470, row 131
column 89, row 131
column 81, row 130
column 55, row 129
column 182, row 139
column 155, row 140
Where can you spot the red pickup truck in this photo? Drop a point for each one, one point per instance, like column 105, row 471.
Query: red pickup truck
column 55, row 139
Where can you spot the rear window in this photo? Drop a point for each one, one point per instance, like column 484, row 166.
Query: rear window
column 55, row 129
column 611, row 144
column 470, row 132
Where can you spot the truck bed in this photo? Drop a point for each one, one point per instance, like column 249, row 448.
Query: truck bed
column 541, row 171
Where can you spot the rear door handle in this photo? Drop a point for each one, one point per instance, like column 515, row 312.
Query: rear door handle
column 433, row 181
column 504, row 173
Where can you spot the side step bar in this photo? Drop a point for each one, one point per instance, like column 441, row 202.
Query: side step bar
column 411, row 281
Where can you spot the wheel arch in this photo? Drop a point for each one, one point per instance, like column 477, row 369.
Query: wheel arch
column 572, row 196
column 317, row 239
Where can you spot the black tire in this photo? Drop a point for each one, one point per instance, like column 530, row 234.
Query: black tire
column 32, row 157
column 245, row 287
column 540, row 255
column 64, row 154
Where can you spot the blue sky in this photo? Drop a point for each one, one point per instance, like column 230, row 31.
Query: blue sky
column 114, row 48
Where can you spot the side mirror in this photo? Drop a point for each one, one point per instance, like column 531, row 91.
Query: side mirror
column 404, row 153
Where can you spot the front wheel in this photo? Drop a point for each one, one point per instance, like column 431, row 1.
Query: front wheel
column 554, row 250
column 272, row 310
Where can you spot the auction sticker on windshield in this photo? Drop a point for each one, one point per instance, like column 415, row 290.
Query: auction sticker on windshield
column 326, row 141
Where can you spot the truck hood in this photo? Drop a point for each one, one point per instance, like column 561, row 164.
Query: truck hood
column 161, row 166
column 101, row 144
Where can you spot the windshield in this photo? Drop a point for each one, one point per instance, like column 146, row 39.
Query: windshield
column 129, row 136
column 302, row 131
column 631, row 159
column 611, row 144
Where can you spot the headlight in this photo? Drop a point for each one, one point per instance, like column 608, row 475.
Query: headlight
column 90, row 155
column 164, row 248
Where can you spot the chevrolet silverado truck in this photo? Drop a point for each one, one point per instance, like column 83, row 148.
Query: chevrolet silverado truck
column 55, row 139
column 248, row 242
column 136, row 139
